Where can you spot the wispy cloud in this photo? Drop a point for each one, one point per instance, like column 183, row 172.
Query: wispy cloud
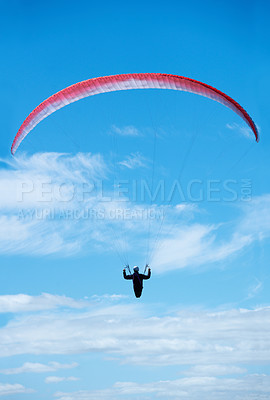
column 78, row 166
column 49, row 206
column 57, row 379
column 41, row 199
column 196, row 245
column 24, row 303
column 36, row 237
column 200, row 244
column 108, row 297
column 137, row 336
column 249, row 387
column 46, row 179
column 8, row 389
column 241, row 129
column 81, row 219
column 214, row 370
column 214, row 350
column 255, row 289
column 133, row 161
column 37, row 368
column 126, row 130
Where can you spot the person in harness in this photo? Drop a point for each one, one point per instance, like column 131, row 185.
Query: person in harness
column 137, row 278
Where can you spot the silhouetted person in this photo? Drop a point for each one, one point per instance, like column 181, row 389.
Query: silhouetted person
column 137, row 279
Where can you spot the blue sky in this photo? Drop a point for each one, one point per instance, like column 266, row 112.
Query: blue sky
column 70, row 326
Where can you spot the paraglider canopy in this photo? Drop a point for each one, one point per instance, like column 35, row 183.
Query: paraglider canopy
column 91, row 87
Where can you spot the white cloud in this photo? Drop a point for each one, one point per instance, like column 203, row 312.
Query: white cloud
column 36, row 192
column 24, row 303
column 197, row 244
column 214, row 370
column 47, row 202
column 215, row 349
column 7, row 389
column 108, row 297
column 250, row 387
column 123, row 331
column 47, row 179
column 36, row 237
column 126, row 130
column 37, row 368
column 135, row 160
column 68, row 227
column 56, row 204
column 57, row 379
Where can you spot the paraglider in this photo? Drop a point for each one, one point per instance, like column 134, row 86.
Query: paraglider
column 137, row 278
column 91, row 87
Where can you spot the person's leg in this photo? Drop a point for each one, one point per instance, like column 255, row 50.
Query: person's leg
column 138, row 292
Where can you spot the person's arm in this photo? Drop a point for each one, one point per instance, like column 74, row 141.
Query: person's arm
column 148, row 274
column 125, row 275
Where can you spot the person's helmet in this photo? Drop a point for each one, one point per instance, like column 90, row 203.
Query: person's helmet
column 136, row 269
